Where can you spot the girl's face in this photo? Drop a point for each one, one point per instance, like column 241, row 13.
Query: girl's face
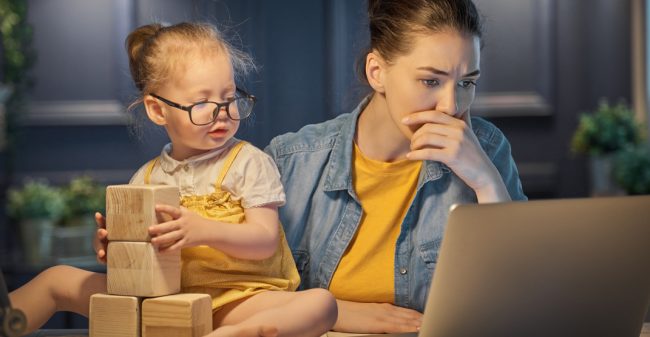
column 439, row 73
column 201, row 78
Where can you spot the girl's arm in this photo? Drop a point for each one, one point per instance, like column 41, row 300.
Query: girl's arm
column 256, row 238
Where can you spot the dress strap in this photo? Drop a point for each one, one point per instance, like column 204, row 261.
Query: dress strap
column 147, row 174
column 229, row 160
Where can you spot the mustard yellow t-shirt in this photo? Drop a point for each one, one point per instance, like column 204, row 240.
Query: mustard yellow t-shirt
column 385, row 190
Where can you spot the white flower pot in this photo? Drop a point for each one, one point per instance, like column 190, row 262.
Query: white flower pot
column 602, row 176
column 36, row 236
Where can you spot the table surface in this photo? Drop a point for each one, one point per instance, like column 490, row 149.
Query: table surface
column 645, row 332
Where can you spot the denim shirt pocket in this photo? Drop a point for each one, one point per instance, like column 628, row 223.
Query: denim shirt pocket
column 429, row 252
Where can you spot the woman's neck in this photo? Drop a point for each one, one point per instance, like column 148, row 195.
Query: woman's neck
column 377, row 134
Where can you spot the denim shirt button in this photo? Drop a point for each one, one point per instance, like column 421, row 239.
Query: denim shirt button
column 403, row 271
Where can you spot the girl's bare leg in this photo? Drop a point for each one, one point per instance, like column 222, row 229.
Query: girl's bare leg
column 60, row 288
column 278, row 313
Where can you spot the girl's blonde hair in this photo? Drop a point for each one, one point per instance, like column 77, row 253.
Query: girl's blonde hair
column 156, row 52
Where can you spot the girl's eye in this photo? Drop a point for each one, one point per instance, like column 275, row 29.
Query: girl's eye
column 467, row 83
column 200, row 106
column 431, row 83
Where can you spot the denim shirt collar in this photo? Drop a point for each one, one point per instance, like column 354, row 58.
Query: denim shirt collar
column 339, row 170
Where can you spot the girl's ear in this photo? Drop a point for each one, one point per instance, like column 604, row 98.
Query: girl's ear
column 375, row 69
column 154, row 110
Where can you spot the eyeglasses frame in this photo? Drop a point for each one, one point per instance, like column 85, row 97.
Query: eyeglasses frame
column 215, row 113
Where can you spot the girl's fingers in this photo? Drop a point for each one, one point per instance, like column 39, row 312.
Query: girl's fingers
column 100, row 220
column 166, row 240
column 176, row 246
column 174, row 212
column 102, row 234
column 101, row 256
column 163, row 228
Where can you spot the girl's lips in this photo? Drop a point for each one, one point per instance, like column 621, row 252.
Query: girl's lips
column 218, row 133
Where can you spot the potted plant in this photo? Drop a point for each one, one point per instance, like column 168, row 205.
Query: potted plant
column 632, row 169
column 83, row 196
column 36, row 207
column 601, row 135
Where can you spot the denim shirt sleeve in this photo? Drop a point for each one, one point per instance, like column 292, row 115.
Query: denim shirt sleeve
column 321, row 214
column 497, row 147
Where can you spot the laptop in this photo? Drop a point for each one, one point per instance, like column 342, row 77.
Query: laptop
column 568, row 267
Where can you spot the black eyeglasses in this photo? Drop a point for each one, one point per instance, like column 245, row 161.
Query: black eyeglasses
column 204, row 113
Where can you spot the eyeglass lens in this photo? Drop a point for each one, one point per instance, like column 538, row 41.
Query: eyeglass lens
column 205, row 113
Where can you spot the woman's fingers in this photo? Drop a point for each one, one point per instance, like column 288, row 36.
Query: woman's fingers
column 431, row 116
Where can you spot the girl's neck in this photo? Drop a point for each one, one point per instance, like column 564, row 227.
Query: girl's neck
column 180, row 153
column 377, row 134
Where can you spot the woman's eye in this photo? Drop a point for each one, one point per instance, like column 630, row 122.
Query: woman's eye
column 467, row 83
column 431, row 83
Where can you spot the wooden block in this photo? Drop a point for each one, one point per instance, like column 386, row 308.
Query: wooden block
column 113, row 316
column 130, row 209
column 180, row 315
column 138, row 269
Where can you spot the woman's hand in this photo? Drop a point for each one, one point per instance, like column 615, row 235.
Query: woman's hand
column 184, row 230
column 100, row 242
column 376, row 318
column 450, row 140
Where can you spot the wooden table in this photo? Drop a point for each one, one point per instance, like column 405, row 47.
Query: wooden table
column 83, row 333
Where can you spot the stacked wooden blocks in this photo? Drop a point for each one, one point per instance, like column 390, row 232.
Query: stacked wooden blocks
column 142, row 283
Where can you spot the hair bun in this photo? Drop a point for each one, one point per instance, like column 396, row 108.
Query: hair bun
column 135, row 43
column 373, row 5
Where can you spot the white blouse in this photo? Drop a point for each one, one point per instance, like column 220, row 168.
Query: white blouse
column 253, row 177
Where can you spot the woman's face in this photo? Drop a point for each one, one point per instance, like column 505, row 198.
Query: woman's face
column 439, row 73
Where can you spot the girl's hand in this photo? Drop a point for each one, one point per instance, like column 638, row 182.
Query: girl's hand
column 376, row 318
column 184, row 230
column 100, row 242
column 450, row 140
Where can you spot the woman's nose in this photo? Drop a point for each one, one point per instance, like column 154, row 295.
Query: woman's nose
column 448, row 102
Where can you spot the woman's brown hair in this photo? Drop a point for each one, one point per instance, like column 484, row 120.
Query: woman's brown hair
column 393, row 24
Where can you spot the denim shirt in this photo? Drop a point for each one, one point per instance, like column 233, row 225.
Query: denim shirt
column 323, row 212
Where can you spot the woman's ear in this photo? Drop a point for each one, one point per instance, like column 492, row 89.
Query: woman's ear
column 375, row 68
column 154, row 110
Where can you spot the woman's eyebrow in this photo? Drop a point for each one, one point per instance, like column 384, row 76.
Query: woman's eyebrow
column 444, row 73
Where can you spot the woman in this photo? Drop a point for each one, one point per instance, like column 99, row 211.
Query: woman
column 368, row 193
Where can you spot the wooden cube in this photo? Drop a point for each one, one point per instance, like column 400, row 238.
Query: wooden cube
column 181, row 315
column 114, row 316
column 130, row 209
column 138, row 269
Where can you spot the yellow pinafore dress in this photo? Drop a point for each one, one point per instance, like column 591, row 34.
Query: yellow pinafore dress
column 226, row 278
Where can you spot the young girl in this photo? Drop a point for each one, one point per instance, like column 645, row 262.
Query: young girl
column 368, row 193
column 227, row 228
